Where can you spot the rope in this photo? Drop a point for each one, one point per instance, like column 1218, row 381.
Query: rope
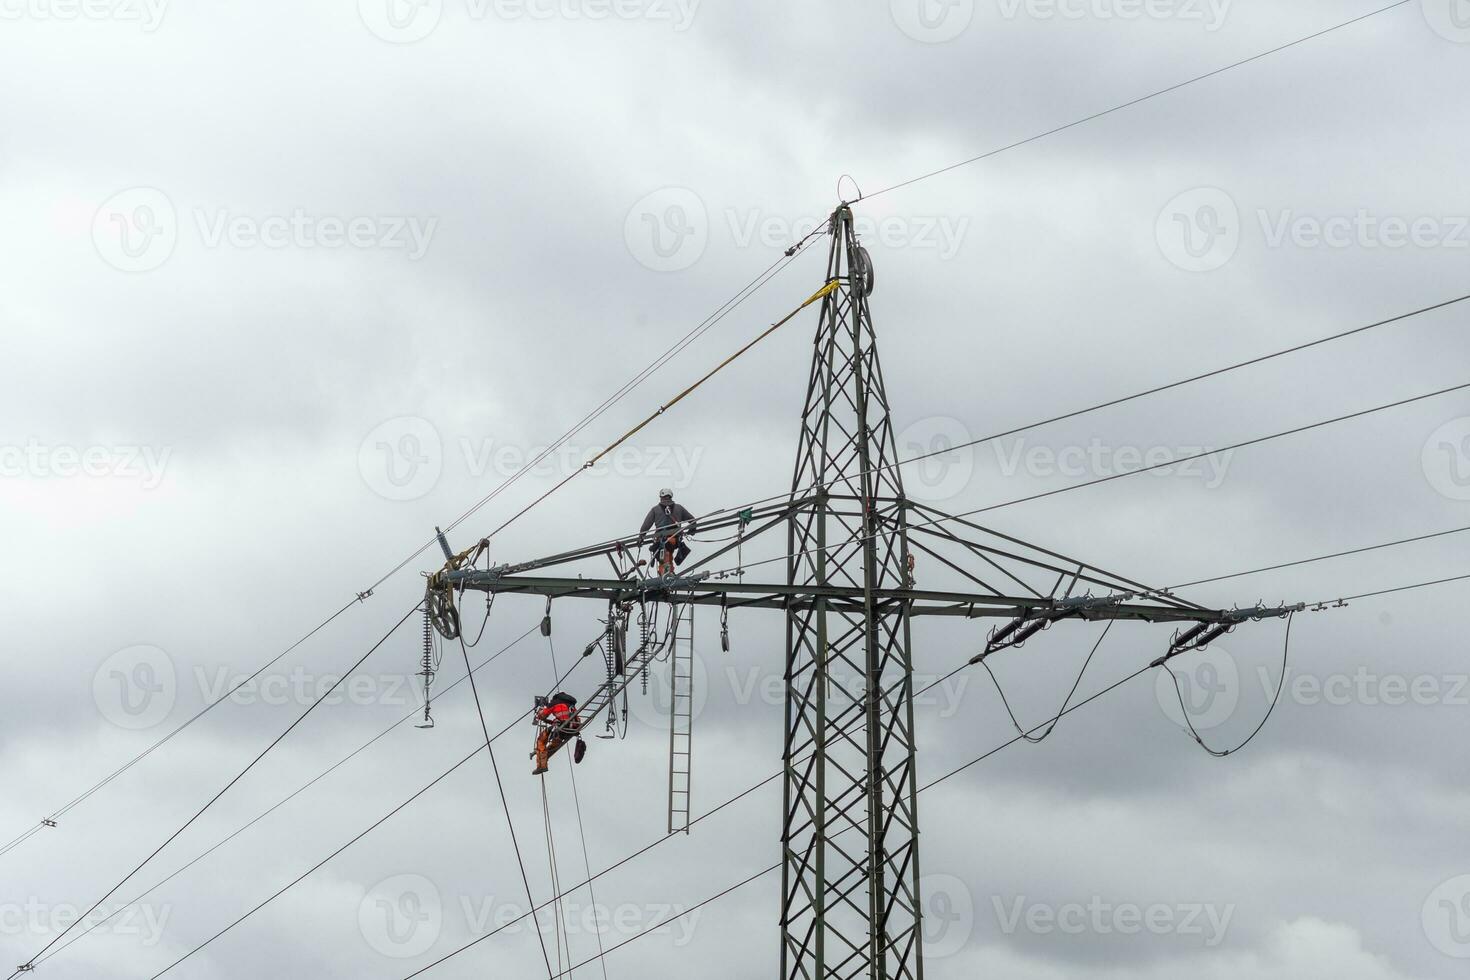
column 711, row 813
column 581, row 826
column 719, row 314
column 1111, row 403
column 751, row 790
column 504, row 803
column 559, row 913
column 819, row 294
column 374, row 826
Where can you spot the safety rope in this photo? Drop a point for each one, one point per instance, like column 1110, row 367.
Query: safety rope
column 819, row 294
column 504, row 802
column 581, row 828
column 558, row 914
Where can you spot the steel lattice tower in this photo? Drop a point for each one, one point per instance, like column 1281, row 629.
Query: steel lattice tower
column 850, row 882
column 850, row 900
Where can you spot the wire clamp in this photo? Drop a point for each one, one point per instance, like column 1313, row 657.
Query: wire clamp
column 1029, row 623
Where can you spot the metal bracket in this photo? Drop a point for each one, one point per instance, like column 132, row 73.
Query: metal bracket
column 1023, row 627
column 1201, row 635
column 670, row 583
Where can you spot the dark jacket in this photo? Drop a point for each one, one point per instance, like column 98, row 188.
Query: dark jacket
column 666, row 517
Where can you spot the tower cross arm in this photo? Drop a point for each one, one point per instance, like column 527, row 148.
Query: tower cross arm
column 702, row 590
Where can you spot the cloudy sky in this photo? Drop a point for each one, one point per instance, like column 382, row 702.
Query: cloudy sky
column 286, row 285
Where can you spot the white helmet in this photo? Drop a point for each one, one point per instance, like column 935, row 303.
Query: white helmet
column 666, row 492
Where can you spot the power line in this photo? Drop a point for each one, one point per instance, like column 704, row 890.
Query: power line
column 54, row 817
column 819, row 294
column 720, row 313
column 1110, row 403
column 240, row 775
column 375, row 825
column 661, row 840
column 1144, row 469
column 704, row 327
column 1275, row 699
column 761, row 874
column 1134, row 102
column 1326, row 603
column 1319, row 558
column 284, row 800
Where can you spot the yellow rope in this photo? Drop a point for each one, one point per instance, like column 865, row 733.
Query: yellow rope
column 825, row 291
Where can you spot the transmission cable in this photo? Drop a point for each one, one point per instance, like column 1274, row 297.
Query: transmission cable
column 1320, row 558
column 55, row 817
column 1118, row 476
column 711, row 813
column 1038, row 739
column 724, row 511
column 1280, row 684
column 239, row 776
column 283, row 801
column 374, row 826
column 589, row 464
column 1134, row 102
column 720, row 313
column 1330, row 603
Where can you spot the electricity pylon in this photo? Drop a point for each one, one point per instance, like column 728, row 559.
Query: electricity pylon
column 851, row 907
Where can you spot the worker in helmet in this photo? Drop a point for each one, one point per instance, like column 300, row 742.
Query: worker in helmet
column 670, row 523
column 556, row 724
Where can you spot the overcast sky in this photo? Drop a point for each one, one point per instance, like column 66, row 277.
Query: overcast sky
column 285, row 285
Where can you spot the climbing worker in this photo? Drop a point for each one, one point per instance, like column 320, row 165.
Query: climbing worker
column 670, row 523
column 556, row 723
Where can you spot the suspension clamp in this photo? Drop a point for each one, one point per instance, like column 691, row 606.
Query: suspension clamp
column 670, row 583
column 1028, row 624
column 1201, row 635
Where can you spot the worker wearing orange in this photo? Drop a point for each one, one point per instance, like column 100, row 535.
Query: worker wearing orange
column 556, row 721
